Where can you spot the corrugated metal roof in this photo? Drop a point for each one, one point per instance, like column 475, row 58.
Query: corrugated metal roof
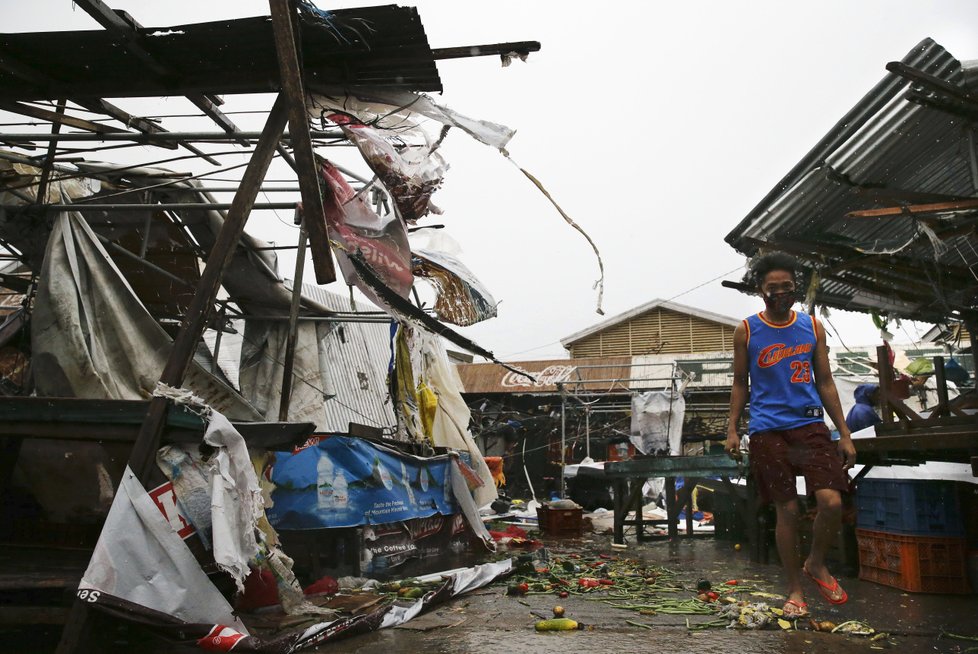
column 365, row 47
column 567, row 341
column 890, row 149
column 492, row 378
column 357, row 355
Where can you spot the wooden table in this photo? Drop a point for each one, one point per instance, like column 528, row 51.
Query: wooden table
column 628, row 478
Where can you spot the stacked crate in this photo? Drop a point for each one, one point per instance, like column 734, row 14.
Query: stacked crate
column 911, row 535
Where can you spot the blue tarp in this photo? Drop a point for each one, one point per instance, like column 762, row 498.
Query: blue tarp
column 346, row 482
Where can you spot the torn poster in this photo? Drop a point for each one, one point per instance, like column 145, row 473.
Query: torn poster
column 355, row 228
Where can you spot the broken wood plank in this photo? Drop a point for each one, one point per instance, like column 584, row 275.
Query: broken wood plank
column 916, row 209
column 286, row 50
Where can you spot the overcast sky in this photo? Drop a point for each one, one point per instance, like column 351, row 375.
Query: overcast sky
column 656, row 126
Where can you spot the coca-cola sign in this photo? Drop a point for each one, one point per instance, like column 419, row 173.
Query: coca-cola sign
column 549, row 376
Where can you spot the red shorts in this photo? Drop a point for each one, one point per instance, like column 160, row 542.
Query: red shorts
column 778, row 456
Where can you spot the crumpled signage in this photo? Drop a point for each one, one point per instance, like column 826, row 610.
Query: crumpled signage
column 461, row 298
column 357, row 229
column 410, row 171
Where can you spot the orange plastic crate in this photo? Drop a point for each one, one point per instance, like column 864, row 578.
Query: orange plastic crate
column 560, row 522
column 918, row 564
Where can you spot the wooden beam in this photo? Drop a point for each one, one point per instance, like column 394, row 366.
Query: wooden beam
column 932, row 81
column 125, row 25
column 55, row 117
column 202, row 306
column 41, row 196
column 287, row 50
column 289, row 363
column 209, row 108
column 501, row 49
column 916, row 209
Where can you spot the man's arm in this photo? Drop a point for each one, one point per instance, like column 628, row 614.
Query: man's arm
column 825, row 386
column 739, row 393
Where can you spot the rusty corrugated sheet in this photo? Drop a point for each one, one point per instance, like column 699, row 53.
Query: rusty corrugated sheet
column 492, row 378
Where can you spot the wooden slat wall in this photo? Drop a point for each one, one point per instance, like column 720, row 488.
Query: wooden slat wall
column 660, row 331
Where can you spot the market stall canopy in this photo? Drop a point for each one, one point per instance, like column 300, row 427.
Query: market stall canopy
column 882, row 211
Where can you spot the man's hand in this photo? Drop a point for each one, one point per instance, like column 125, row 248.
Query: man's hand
column 847, row 451
column 732, row 445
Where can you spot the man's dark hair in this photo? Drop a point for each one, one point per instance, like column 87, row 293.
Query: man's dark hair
column 773, row 261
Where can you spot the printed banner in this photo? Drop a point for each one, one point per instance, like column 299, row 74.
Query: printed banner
column 387, row 546
column 347, row 482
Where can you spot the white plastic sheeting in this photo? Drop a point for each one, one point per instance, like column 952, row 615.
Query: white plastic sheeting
column 140, row 559
column 657, row 422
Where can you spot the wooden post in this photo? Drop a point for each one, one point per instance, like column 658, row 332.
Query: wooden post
column 886, row 377
column 312, row 201
column 943, row 407
column 289, row 363
column 143, row 455
column 42, row 186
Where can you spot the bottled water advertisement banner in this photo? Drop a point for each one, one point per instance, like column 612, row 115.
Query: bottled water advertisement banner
column 347, row 482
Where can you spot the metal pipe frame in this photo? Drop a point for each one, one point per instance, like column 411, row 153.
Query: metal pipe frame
column 162, row 206
column 139, row 137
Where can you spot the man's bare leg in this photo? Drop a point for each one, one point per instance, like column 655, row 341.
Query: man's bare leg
column 824, row 531
column 786, row 535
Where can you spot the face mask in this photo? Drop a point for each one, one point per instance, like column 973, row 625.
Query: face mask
column 779, row 302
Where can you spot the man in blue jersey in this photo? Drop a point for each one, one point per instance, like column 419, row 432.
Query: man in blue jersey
column 783, row 356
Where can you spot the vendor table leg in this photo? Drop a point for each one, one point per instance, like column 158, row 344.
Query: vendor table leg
column 636, row 501
column 620, row 509
column 671, row 513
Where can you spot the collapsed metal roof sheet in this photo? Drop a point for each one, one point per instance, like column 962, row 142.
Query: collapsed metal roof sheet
column 365, row 47
column 899, row 147
column 358, row 355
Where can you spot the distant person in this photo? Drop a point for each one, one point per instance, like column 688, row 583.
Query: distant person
column 863, row 413
column 783, row 356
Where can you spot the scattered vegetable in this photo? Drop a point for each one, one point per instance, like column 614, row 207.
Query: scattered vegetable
column 557, row 624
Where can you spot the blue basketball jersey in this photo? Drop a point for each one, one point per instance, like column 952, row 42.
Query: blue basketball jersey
column 782, row 383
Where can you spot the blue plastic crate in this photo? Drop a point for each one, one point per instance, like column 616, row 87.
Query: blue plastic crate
column 909, row 506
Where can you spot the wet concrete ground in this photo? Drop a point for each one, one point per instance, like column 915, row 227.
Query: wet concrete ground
column 488, row 621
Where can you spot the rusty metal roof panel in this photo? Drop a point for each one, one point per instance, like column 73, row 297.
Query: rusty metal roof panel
column 482, row 378
column 382, row 46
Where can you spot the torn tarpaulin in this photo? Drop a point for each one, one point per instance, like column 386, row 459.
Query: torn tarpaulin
column 404, row 310
column 392, row 110
column 409, row 169
column 462, row 299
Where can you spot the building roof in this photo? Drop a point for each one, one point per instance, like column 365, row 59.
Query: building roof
column 567, row 341
column 882, row 211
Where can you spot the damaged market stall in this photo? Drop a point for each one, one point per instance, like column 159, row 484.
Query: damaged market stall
column 111, row 254
column 881, row 213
